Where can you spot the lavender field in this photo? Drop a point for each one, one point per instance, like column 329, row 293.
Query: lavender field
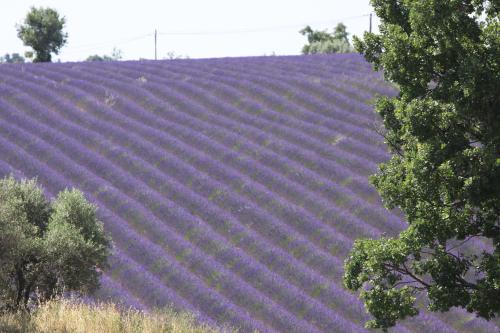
column 232, row 188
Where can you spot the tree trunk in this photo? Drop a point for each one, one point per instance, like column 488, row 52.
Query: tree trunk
column 21, row 283
column 27, row 293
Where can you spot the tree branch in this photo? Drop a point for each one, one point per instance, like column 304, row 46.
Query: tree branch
column 415, row 277
column 391, row 144
column 407, row 272
column 409, row 282
column 462, row 243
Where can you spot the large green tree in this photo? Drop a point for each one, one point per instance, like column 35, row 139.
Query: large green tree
column 42, row 30
column 444, row 132
column 47, row 248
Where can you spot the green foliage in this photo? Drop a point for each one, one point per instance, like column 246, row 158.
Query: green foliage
column 43, row 32
column 13, row 58
column 340, row 33
column 115, row 56
column 47, row 247
column 97, row 57
column 444, row 175
column 324, row 42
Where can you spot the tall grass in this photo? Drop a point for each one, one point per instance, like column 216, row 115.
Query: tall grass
column 64, row 316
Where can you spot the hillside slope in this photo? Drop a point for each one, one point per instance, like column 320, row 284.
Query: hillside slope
column 232, row 188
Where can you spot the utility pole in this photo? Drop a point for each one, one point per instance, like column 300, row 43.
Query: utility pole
column 370, row 22
column 156, row 34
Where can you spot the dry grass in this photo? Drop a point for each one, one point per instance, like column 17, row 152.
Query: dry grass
column 69, row 317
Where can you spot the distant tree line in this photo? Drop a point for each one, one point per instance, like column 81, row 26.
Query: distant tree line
column 43, row 31
column 13, row 58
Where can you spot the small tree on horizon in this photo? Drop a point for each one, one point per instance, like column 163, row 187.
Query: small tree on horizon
column 42, row 30
column 116, row 55
column 14, row 58
column 325, row 42
column 47, row 248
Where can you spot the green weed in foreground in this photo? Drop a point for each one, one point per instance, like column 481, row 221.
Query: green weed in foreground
column 64, row 316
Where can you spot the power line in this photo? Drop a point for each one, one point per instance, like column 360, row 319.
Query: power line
column 263, row 29
column 123, row 41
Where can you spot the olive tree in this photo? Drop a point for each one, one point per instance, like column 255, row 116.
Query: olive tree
column 444, row 132
column 47, row 247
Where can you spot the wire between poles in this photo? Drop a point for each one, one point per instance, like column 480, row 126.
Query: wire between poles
column 123, row 41
column 239, row 31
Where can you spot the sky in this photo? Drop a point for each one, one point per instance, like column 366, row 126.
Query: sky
column 193, row 28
